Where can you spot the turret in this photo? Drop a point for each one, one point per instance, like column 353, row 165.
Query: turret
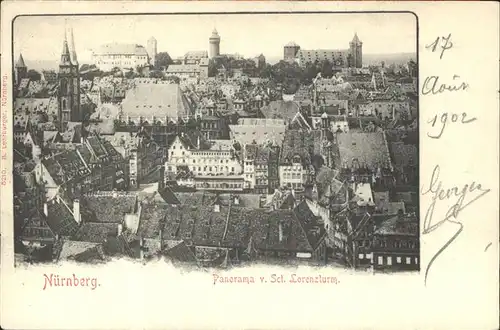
column 356, row 52
column 21, row 69
column 214, row 44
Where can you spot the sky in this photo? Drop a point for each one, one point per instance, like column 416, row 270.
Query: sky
column 41, row 37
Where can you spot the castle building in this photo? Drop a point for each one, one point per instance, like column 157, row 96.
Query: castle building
column 214, row 44
column 152, row 50
column 123, row 56
column 21, row 69
column 69, row 85
column 340, row 58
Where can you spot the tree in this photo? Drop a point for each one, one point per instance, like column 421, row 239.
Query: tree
column 326, row 69
column 130, row 74
column 212, row 68
column 174, row 79
column 162, row 59
column 34, row 75
column 155, row 74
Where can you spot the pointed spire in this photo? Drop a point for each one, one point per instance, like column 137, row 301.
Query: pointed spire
column 65, row 55
column 20, row 62
column 355, row 39
column 74, row 60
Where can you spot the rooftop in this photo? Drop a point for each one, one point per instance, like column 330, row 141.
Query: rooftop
column 363, row 149
column 159, row 100
column 121, row 49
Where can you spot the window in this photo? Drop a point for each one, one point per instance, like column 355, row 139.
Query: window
column 389, row 261
column 361, row 256
column 380, row 260
column 398, row 260
column 416, row 260
column 408, row 260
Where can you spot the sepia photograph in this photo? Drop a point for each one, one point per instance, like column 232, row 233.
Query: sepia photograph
column 205, row 143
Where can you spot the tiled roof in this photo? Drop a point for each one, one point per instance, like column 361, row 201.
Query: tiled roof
column 96, row 232
column 396, row 225
column 369, row 149
column 179, row 251
column 107, row 207
column 117, row 246
column 196, row 198
column 166, row 195
column 191, row 138
column 75, row 249
column 152, row 220
column 65, row 166
column 195, row 224
column 197, row 54
column 264, row 228
column 60, row 219
column 280, row 109
column 159, row 100
column 298, row 143
column 403, row 155
column 121, row 49
column 246, row 134
column 183, row 68
column 262, row 155
column 33, row 105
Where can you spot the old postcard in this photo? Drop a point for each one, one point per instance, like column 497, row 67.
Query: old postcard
column 249, row 165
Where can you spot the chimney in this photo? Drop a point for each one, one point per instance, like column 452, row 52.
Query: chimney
column 76, row 210
column 198, row 142
column 216, row 207
column 120, row 229
column 46, row 209
column 161, row 181
column 280, row 228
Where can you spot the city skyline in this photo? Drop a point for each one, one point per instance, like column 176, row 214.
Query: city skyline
column 44, row 43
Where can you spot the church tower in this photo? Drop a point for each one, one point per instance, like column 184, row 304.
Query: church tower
column 214, row 44
column 356, row 50
column 69, row 85
column 21, row 69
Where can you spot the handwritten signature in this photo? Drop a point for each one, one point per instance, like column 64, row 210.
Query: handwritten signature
column 439, row 193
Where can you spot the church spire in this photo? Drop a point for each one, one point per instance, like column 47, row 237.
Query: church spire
column 20, row 62
column 65, row 55
column 74, row 60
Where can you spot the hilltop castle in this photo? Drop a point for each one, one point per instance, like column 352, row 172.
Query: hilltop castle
column 343, row 58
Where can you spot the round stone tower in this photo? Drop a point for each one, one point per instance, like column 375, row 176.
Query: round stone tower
column 214, row 40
